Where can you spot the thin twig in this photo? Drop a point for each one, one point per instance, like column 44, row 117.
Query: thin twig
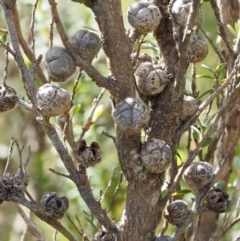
column 32, row 26
column 222, row 32
column 25, row 46
column 76, row 84
column 89, row 122
column 6, row 46
column 115, row 192
column 32, row 229
column 109, row 136
column 226, row 227
column 35, row 65
column 9, row 156
column 55, row 235
column 23, row 103
column 5, row 75
column 3, row 31
column 51, row 33
column 75, row 227
column 103, row 195
column 58, row 173
column 209, row 38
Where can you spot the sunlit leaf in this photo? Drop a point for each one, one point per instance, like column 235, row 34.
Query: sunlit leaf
column 203, row 94
column 204, row 76
column 4, row 37
column 207, row 142
column 220, row 67
column 179, row 157
column 181, row 192
column 76, row 109
column 232, row 30
column 207, row 67
column 98, row 112
column 196, row 133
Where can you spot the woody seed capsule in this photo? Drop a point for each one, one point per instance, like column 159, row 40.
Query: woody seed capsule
column 144, row 16
column 60, row 64
column 53, row 100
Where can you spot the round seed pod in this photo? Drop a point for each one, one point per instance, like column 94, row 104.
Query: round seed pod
column 52, row 100
column 176, row 212
column 197, row 175
column 53, row 206
column 189, row 107
column 87, row 44
column 7, row 181
column 144, row 16
column 60, row 64
column 20, row 179
column 156, row 155
column 217, row 200
column 87, row 156
column 197, row 49
column 181, row 10
column 150, row 79
column 131, row 115
column 6, row 98
column 164, row 238
column 104, row 236
column 3, row 192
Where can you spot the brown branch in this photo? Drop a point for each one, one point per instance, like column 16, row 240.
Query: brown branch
column 89, row 122
column 36, row 209
column 80, row 179
column 87, row 67
column 26, row 76
column 195, row 151
column 3, row 31
column 222, row 31
column 226, row 83
column 7, row 48
column 32, row 229
column 32, row 27
column 24, row 44
column 183, row 49
column 226, row 228
column 209, row 38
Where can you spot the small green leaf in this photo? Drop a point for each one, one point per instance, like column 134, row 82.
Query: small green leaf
column 76, row 109
column 232, row 30
column 4, row 38
column 207, row 67
column 196, row 133
column 204, row 76
column 205, row 93
column 220, row 67
column 98, row 112
column 181, row 192
column 91, row 223
column 163, row 193
column 207, row 142
column 179, row 157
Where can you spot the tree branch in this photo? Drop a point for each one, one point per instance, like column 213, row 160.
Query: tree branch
column 87, row 67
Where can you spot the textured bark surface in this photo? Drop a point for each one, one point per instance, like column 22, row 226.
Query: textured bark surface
column 229, row 13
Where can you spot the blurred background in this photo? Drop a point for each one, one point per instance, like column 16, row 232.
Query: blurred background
column 20, row 123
